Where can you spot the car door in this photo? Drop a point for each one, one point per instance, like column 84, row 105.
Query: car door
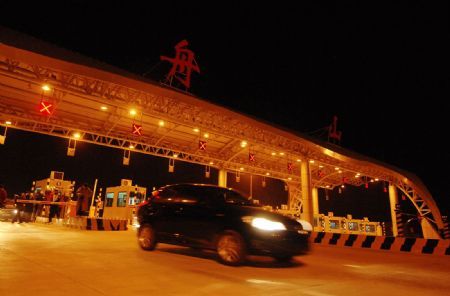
column 203, row 218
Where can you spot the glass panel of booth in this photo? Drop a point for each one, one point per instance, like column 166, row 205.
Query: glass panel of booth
column 122, row 199
column 353, row 226
column 109, row 199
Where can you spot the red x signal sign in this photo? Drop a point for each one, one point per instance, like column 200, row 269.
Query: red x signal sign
column 137, row 130
column 202, row 145
column 290, row 166
column 321, row 174
column 251, row 157
column 46, row 108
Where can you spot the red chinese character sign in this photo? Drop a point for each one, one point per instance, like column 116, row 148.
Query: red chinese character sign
column 333, row 133
column 182, row 64
column 136, row 130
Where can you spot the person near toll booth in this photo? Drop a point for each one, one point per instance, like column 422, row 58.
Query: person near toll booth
column 84, row 195
column 54, row 209
column 99, row 207
column 3, row 196
column 37, row 210
column 19, row 208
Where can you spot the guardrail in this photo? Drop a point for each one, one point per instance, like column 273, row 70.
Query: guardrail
column 386, row 243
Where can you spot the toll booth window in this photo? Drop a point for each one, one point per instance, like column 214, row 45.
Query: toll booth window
column 122, row 199
column 353, row 226
column 109, row 199
column 334, row 224
column 370, row 228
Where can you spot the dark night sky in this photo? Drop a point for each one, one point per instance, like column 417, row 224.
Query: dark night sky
column 382, row 68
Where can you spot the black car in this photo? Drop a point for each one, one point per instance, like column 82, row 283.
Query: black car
column 221, row 219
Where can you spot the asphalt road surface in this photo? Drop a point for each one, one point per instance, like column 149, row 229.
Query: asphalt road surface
column 37, row 259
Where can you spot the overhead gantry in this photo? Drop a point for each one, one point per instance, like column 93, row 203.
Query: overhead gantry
column 99, row 104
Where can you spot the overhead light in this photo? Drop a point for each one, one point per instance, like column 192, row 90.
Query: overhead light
column 289, row 178
column 376, row 179
column 8, row 122
column 76, row 135
column 274, row 153
column 356, row 176
column 267, row 174
column 336, row 168
column 175, row 155
column 311, row 161
column 342, row 186
column 299, row 160
column 281, row 153
column 211, row 162
column 243, row 144
column 320, row 166
column 46, row 87
column 241, row 169
column 131, row 146
column 161, row 123
column 104, row 108
column 133, row 112
column 328, row 186
column 196, row 130
column 206, row 135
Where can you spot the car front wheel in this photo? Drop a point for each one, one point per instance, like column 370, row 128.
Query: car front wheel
column 147, row 238
column 231, row 248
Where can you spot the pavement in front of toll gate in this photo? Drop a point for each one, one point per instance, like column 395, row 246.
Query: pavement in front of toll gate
column 37, row 259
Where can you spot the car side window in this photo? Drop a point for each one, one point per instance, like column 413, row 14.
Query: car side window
column 178, row 194
column 234, row 197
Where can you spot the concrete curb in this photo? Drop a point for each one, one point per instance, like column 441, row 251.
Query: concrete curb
column 394, row 244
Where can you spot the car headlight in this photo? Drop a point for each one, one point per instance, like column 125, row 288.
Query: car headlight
column 264, row 224
column 305, row 225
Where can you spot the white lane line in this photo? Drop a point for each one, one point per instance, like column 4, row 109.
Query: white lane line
column 354, row 266
column 314, row 293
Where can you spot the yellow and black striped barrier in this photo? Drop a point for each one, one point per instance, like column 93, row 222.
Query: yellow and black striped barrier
column 386, row 243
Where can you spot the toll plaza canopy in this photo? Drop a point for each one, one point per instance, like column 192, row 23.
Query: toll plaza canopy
column 92, row 102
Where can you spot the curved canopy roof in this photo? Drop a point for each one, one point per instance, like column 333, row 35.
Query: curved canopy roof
column 95, row 100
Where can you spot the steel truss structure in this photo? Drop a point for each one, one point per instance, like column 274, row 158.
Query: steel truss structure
column 96, row 104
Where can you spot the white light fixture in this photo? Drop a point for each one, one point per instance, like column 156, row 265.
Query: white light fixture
column 133, row 112
column 161, row 123
column 103, row 108
column 243, row 144
column 299, row 160
column 76, row 135
column 8, row 122
column 206, row 135
column 46, row 87
column 196, row 130
column 311, row 161
column 281, row 153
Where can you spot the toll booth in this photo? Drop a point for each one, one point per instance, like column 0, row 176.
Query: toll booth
column 346, row 225
column 55, row 182
column 121, row 201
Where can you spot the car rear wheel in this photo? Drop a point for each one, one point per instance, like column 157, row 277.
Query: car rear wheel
column 147, row 238
column 231, row 248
